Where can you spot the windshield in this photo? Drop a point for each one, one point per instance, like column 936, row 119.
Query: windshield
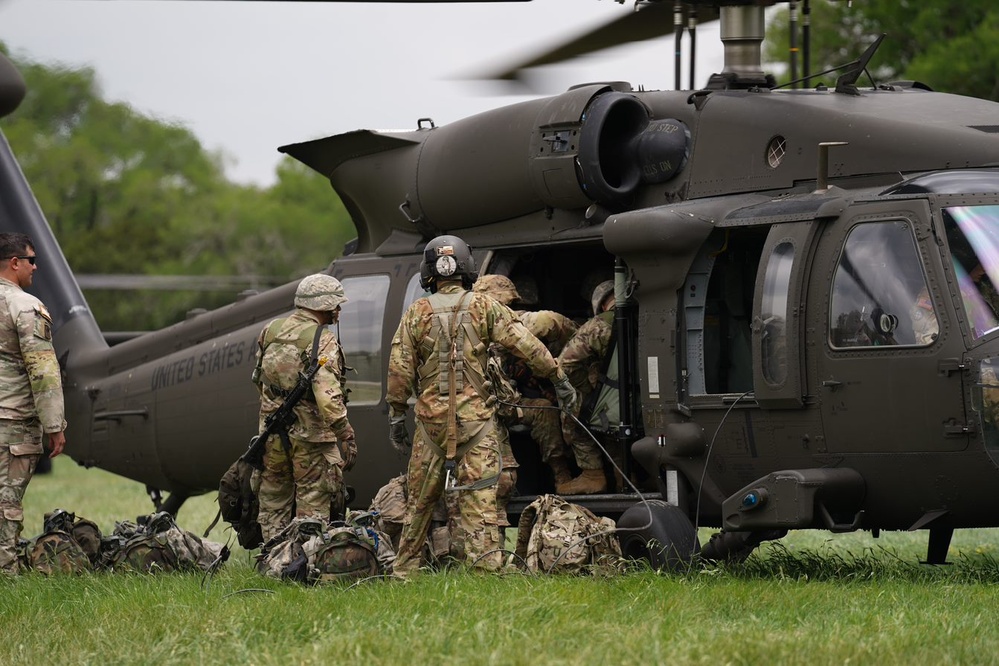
column 973, row 238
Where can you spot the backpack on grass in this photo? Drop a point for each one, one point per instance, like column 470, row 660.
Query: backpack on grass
column 311, row 551
column 239, row 506
column 67, row 544
column 556, row 536
column 157, row 544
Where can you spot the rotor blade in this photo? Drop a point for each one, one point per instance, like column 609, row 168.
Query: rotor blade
column 648, row 22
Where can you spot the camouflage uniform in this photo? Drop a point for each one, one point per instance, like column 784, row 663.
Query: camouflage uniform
column 418, row 367
column 31, row 403
column 535, row 397
column 311, row 479
column 582, row 360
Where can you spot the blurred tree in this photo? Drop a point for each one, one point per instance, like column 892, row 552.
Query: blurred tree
column 950, row 45
column 129, row 194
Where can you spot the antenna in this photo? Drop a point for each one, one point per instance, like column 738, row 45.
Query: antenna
column 846, row 83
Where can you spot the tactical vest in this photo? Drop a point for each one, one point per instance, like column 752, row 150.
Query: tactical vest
column 455, row 355
column 450, row 331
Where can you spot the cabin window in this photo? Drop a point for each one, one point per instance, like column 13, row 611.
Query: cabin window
column 774, row 314
column 879, row 293
column 973, row 237
column 718, row 306
column 360, row 331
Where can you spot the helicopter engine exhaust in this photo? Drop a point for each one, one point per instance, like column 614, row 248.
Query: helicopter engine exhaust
column 584, row 148
column 592, row 144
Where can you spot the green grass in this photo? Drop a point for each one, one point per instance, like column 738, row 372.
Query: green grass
column 811, row 598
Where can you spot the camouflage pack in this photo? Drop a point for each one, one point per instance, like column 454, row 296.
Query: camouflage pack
column 311, row 551
column 343, row 553
column 389, row 511
column 56, row 552
column 67, row 545
column 157, row 544
column 389, row 507
column 238, row 504
column 556, row 536
column 282, row 556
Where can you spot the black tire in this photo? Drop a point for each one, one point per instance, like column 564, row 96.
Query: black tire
column 658, row 532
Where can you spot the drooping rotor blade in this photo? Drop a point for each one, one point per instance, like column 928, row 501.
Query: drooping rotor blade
column 649, row 21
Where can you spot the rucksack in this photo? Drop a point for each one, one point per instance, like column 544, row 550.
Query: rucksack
column 67, row 545
column 283, row 557
column 310, row 551
column 556, row 536
column 239, row 506
column 157, row 544
column 343, row 553
column 388, row 509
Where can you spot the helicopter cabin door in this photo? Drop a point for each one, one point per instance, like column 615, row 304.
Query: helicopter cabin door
column 883, row 362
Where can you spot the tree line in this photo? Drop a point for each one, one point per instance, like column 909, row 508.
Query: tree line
column 125, row 193
column 950, row 45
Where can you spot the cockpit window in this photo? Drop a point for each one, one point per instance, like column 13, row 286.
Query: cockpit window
column 879, row 293
column 973, row 238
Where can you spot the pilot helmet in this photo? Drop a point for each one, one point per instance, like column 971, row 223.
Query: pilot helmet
column 603, row 291
column 499, row 287
column 447, row 258
column 320, row 293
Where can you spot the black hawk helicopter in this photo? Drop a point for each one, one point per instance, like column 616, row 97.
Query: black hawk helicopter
column 806, row 325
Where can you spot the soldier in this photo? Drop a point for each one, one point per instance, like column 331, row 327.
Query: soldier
column 303, row 468
column 537, row 398
column 31, row 401
column 439, row 354
column 583, row 360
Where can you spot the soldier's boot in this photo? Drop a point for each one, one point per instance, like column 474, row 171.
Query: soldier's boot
column 561, row 470
column 589, row 482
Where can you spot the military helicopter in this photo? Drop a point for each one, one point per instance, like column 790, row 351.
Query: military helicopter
column 805, row 333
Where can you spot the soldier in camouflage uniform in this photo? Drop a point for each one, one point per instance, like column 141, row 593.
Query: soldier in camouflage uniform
column 537, row 399
column 439, row 354
column 583, row 359
column 31, row 400
column 303, row 468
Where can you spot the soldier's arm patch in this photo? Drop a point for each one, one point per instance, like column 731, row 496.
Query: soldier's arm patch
column 43, row 323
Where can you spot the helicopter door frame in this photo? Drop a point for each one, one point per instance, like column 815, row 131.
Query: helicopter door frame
column 879, row 380
column 781, row 288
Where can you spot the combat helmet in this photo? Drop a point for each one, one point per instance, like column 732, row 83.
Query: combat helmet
column 602, row 292
column 447, row 258
column 320, row 292
column 499, row 287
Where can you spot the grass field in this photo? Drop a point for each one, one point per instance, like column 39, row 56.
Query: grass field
column 813, row 598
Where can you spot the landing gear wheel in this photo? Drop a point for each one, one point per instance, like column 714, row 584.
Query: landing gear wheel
column 658, row 532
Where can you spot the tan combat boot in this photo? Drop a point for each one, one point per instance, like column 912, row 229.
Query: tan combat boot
column 589, row 482
column 561, row 470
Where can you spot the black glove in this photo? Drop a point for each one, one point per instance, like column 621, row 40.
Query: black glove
column 398, row 434
column 567, row 397
column 348, row 451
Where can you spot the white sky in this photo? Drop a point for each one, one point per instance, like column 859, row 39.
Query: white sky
column 247, row 77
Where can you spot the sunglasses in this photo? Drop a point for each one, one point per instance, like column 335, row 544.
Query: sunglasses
column 30, row 260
